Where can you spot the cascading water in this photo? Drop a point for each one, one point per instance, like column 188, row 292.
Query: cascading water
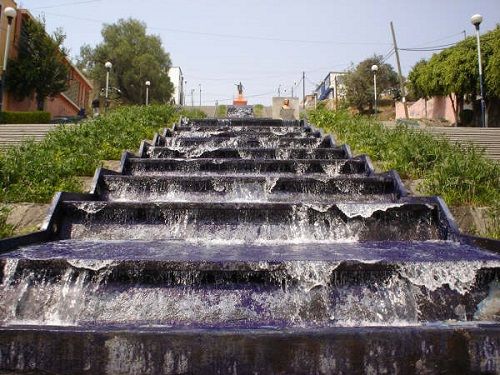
column 228, row 231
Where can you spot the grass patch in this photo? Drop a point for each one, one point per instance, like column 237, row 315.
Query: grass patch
column 462, row 175
column 33, row 172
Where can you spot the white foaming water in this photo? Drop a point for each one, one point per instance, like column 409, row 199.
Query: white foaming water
column 92, row 265
column 459, row 276
column 365, row 210
column 332, row 169
column 9, row 270
column 310, row 275
column 300, row 294
column 90, row 207
column 489, row 308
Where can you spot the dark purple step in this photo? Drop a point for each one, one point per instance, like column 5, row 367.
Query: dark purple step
column 139, row 166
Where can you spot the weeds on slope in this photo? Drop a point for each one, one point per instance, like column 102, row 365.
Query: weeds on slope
column 462, row 175
column 33, row 172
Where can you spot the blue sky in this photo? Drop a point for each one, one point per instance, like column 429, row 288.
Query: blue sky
column 266, row 43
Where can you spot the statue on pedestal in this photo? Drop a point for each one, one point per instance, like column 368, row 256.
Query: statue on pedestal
column 241, row 99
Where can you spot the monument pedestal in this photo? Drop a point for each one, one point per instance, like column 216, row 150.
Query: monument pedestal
column 240, row 100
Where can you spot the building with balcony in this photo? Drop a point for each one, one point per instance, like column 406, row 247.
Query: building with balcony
column 331, row 89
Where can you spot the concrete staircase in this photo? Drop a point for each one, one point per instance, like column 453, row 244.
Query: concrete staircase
column 16, row 134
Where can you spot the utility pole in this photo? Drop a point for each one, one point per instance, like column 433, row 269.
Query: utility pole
column 200, row 93
column 401, row 81
column 303, row 90
column 279, row 91
column 192, row 97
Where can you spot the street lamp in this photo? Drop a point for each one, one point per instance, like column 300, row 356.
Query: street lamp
column 374, row 70
column 148, row 83
column 200, row 93
column 10, row 13
column 108, row 65
column 476, row 20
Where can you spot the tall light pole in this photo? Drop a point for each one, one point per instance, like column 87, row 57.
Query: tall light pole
column 148, row 83
column 374, row 70
column 192, row 97
column 476, row 20
column 10, row 13
column 200, row 93
column 108, row 65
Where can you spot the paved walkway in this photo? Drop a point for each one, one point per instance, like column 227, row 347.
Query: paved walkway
column 15, row 134
column 488, row 138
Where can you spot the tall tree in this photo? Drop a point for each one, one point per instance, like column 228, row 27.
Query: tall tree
column 453, row 72
column 136, row 58
column 40, row 67
column 359, row 82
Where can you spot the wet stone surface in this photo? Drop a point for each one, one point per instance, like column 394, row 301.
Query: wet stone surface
column 246, row 245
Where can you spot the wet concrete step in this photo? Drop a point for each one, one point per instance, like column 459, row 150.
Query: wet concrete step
column 303, row 285
column 255, row 131
column 277, row 129
column 246, row 153
column 248, row 187
column 448, row 349
column 418, row 219
column 142, row 166
column 245, row 142
column 244, row 122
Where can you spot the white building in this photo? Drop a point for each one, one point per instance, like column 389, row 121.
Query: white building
column 177, row 79
column 332, row 87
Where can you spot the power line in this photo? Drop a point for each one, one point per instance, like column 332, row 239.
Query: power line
column 388, row 56
column 230, row 36
column 443, row 38
column 67, row 4
column 430, row 48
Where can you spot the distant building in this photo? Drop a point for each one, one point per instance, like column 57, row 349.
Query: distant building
column 68, row 103
column 177, row 79
column 332, row 88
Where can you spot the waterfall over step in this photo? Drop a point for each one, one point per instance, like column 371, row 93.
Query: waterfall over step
column 248, row 246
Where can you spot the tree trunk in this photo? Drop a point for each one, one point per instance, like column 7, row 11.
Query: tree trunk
column 455, row 107
column 40, row 101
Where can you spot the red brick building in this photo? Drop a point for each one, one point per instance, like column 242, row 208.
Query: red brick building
column 67, row 103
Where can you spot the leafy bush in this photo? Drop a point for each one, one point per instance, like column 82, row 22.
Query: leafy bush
column 33, row 172
column 221, row 111
column 258, row 110
column 192, row 113
column 461, row 174
column 37, row 117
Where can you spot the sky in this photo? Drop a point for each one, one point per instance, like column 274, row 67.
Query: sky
column 267, row 44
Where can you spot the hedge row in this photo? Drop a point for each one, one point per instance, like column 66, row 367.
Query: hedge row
column 38, row 117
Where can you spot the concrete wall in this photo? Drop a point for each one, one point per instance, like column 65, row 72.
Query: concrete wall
column 436, row 108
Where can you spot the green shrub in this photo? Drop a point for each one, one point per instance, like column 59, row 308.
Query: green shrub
column 37, row 117
column 33, row 172
column 258, row 110
column 461, row 174
column 193, row 113
column 221, row 111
